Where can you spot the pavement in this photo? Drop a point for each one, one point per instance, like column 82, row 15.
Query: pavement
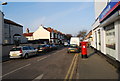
column 96, row 67
column 59, row 65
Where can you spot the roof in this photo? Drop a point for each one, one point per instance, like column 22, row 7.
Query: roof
column 11, row 22
column 55, row 31
column 28, row 34
column 89, row 34
column 49, row 29
column 52, row 30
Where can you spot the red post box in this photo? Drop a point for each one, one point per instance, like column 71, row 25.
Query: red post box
column 84, row 49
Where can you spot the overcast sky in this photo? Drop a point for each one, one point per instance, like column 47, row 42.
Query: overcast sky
column 67, row 17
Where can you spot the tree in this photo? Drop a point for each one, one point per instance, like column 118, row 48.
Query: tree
column 82, row 34
column 68, row 36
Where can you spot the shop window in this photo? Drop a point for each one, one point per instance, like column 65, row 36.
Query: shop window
column 110, row 36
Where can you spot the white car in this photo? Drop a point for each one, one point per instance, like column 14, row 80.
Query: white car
column 22, row 51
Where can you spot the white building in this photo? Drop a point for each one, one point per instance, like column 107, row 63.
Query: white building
column 42, row 34
column 106, row 28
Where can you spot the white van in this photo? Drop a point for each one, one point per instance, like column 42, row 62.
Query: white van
column 75, row 40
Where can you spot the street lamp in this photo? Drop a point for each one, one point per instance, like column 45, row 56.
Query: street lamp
column 4, row 3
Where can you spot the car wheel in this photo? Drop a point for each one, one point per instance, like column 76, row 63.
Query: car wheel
column 37, row 54
column 26, row 56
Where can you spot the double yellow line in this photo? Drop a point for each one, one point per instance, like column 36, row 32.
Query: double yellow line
column 71, row 69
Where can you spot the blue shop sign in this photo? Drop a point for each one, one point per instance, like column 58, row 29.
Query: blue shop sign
column 108, row 9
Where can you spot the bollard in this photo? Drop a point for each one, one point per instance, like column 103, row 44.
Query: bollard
column 84, row 49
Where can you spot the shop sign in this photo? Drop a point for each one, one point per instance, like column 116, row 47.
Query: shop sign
column 109, row 8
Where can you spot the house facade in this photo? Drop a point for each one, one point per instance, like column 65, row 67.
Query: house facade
column 42, row 35
column 13, row 32
column 106, row 28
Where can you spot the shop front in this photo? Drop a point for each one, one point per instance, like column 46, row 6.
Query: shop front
column 110, row 40
column 110, row 22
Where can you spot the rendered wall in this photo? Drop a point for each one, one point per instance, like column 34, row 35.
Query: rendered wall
column 41, row 33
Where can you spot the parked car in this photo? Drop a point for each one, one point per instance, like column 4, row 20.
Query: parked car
column 65, row 44
column 73, row 48
column 57, row 45
column 43, row 48
column 22, row 51
column 53, row 47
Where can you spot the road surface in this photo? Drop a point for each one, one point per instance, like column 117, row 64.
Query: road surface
column 57, row 64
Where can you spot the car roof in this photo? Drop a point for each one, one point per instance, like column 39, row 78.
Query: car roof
column 20, row 46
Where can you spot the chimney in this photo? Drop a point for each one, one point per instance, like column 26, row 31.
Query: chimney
column 27, row 30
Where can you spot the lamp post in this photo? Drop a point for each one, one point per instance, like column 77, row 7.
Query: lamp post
column 4, row 3
column 1, row 37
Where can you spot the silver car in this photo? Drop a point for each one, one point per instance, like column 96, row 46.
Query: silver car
column 22, row 51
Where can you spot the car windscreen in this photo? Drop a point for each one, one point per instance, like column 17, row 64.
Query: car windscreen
column 73, row 46
column 15, row 49
column 40, row 46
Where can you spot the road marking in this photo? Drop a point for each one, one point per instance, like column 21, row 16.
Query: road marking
column 71, row 69
column 49, row 55
column 15, row 70
column 43, row 58
column 38, row 78
column 67, row 75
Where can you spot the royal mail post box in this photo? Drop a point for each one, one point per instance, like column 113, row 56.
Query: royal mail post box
column 84, row 49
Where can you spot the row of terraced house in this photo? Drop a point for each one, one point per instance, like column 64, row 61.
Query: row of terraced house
column 45, row 35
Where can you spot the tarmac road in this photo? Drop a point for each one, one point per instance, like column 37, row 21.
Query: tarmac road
column 58, row 65
column 53, row 65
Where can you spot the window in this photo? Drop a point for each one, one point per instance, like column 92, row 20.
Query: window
column 110, row 36
column 25, row 48
column 31, row 48
column 15, row 49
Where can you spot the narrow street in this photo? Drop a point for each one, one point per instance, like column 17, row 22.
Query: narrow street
column 59, row 65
